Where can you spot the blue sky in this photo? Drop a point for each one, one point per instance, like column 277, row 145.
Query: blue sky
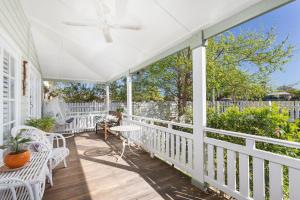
column 286, row 21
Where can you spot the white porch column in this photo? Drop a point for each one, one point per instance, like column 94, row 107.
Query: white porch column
column 107, row 98
column 199, row 113
column 129, row 95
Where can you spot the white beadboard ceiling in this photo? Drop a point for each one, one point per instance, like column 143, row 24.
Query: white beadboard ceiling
column 81, row 53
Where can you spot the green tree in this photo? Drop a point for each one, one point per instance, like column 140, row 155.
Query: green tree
column 79, row 92
column 248, row 58
column 118, row 90
column 173, row 76
column 144, row 89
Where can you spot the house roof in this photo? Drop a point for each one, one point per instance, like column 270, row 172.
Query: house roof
column 279, row 94
column 81, row 53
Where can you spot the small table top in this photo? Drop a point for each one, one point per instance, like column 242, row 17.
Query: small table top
column 33, row 171
column 125, row 128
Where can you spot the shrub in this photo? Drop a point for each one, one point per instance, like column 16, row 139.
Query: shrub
column 45, row 124
column 264, row 121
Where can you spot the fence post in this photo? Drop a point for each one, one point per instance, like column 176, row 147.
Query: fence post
column 107, row 98
column 129, row 95
column 199, row 114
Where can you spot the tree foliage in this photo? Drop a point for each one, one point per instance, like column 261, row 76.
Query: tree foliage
column 79, row 92
column 239, row 66
column 118, row 90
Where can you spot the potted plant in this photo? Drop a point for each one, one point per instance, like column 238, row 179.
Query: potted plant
column 17, row 156
column 45, row 123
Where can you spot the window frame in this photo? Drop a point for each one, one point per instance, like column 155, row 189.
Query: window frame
column 6, row 45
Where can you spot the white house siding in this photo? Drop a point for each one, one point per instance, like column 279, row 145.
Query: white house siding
column 15, row 32
column 14, row 21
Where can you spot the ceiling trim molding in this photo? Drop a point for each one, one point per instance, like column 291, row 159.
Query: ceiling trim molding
column 49, row 78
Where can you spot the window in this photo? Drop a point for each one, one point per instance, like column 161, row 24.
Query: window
column 8, row 93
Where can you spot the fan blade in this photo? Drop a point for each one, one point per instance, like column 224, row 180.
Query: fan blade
column 121, row 8
column 91, row 24
column 126, row 26
column 107, row 35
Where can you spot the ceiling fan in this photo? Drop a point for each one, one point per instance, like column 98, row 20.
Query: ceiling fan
column 103, row 23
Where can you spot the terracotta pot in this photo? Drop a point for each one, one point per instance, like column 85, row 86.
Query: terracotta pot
column 13, row 160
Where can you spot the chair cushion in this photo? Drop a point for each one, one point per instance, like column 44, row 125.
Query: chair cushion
column 37, row 136
column 38, row 147
column 58, row 155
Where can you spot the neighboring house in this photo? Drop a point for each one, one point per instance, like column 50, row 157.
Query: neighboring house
column 20, row 77
column 285, row 96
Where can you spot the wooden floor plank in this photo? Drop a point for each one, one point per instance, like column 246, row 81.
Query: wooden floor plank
column 93, row 173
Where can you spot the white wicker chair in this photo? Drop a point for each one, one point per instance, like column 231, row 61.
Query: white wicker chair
column 15, row 189
column 58, row 153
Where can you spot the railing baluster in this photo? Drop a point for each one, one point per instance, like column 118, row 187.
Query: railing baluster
column 177, row 155
column 172, row 147
column 168, row 145
column 231, row 169
column 258, row 179
column 294, row 180
column 210, row 161
column 220, row 165
column 244, row 174
column 190, row 153
column 275, row 181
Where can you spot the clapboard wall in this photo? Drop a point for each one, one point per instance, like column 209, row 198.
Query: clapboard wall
column 14, row 21
column 15, row 30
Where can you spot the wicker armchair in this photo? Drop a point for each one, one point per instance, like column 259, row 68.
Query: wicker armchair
column 59, row 151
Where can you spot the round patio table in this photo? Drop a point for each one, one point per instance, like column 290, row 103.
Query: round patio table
column 126, row 140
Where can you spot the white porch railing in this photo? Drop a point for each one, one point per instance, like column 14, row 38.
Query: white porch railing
column 219, row 152
column 238, row 170
column 83, row 121
column 173, row 146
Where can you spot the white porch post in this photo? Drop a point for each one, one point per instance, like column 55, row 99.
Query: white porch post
column 107, row 98
column 129, row 95
column 199, row 113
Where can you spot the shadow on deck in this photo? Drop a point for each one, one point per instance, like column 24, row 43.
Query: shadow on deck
column 93, row 174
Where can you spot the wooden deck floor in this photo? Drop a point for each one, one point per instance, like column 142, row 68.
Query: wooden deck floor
column 94, row 174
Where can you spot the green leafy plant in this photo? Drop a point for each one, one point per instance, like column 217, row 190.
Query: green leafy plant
column 120, row 109
column 16, row 143
column 45, row 124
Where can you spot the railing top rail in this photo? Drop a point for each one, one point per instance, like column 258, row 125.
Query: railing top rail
column 164, row 129
column 161, row 121
column 254, row 137
column 86, row 113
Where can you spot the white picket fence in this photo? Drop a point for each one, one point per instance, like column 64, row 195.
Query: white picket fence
column 86, row 107
column 167, row 110
column 293, row 107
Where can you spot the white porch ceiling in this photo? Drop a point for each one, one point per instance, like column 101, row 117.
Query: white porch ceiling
column 81, row 53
